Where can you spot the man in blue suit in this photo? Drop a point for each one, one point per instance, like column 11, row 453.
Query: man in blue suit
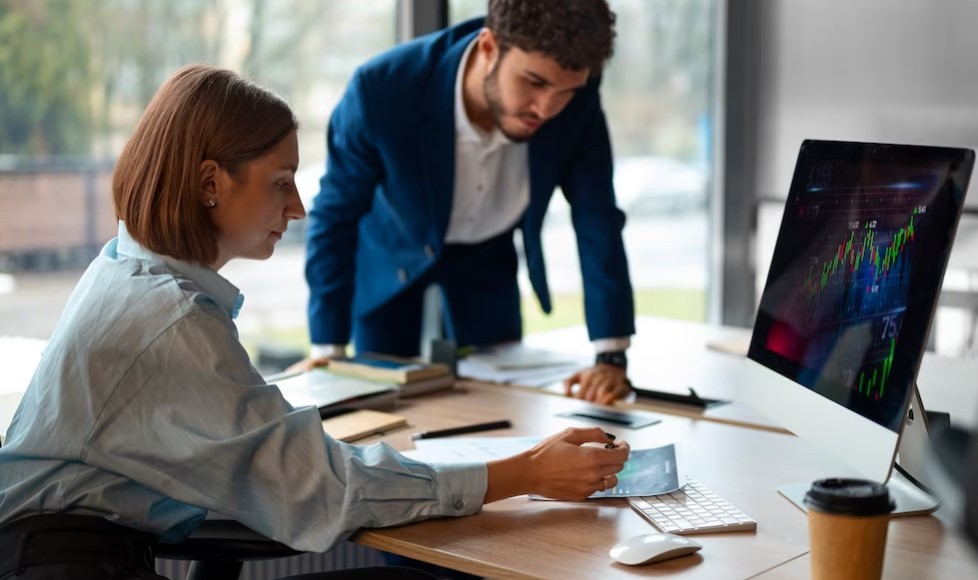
column 438, row 151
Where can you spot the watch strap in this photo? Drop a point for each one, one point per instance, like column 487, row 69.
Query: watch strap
column 614, row 357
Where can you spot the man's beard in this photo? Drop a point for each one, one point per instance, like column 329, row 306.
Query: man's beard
column 490, row 88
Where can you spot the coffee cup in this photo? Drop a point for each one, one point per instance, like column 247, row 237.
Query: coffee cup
column 847, row 522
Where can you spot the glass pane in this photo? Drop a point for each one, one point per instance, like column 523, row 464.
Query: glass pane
column 74, row 80
column 657, row 95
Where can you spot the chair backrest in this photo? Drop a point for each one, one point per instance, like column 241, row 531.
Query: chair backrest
column 219, row 549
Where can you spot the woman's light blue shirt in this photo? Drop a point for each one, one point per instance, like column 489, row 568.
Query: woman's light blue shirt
column 146, row 410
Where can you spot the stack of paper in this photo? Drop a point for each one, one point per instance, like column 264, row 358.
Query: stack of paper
column 519, row 364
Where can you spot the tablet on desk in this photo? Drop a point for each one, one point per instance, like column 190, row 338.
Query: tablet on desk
column 691, row 398
column 627, row 419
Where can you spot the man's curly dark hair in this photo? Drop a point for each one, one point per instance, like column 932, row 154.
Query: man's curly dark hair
column 578, row 34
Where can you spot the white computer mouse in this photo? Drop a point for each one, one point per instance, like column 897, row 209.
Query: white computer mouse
column 649, row 548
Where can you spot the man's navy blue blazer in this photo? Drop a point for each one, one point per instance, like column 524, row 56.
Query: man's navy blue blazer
column 380, row 218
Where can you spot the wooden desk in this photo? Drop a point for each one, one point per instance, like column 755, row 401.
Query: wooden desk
column 917, row 548
column 672, row 355
column 520, row 538
column 523, row 538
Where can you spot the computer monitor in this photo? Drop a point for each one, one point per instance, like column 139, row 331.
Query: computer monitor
column 845, row 313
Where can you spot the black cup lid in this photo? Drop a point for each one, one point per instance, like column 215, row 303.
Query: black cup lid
column 857, row 497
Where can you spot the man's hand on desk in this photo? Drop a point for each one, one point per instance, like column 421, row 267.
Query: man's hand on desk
column 307, row 364
column 560, row 467
column 602, row 383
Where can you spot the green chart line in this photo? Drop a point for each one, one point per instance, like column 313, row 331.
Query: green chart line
column 879, row 376
column 851, row 253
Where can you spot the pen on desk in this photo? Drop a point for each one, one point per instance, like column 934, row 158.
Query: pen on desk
column 504, row 424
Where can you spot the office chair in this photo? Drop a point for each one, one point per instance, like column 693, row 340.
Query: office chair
column 219, row 549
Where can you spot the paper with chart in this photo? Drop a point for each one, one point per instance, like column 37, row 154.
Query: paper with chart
column 647, row 472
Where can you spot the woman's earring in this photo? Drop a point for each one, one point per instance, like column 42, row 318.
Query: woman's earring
column 211, row 203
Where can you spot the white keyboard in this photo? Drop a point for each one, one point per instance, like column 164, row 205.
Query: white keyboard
column 694, row 509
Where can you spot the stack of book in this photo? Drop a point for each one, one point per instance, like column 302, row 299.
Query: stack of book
column 348, row 404
column 412, row 377
column 329, row 391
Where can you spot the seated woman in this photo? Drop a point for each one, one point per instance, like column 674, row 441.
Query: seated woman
column 145, row 412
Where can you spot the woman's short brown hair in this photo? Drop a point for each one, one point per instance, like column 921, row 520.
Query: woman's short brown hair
column 200, row 113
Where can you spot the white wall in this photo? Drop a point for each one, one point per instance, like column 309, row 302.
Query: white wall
column 903, row 71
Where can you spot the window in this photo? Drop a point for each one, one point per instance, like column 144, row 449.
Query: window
column 74, row 79
column 657, row 95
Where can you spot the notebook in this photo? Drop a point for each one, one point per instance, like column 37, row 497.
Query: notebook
column 356, row 425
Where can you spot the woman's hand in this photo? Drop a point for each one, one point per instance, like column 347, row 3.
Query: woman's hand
column 560, row 467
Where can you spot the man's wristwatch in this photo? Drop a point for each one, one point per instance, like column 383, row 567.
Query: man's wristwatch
column 615, row 358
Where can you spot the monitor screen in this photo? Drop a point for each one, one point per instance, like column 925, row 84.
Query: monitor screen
column 856, row 271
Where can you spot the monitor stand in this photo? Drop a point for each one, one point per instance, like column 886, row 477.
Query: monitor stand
column 914, row 450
